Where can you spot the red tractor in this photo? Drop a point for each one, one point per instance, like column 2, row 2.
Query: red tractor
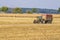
column 44, row 19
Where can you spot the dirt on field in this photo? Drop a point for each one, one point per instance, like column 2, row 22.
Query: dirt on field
column 22, row 28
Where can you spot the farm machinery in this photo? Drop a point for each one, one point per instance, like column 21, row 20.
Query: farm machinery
column 48, row 18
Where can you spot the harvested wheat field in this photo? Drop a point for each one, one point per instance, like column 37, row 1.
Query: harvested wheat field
column 21, row 27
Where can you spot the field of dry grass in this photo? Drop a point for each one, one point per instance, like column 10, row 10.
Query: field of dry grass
column 24, row 15
column 17, row 27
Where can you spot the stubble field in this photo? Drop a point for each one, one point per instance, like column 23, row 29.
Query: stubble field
column 21, row 27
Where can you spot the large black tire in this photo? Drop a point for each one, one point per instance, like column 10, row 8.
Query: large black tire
column 35, row 21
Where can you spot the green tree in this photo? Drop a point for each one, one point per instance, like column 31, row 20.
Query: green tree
column 0, row 9
column 4, row 9
column 17, row 10
column 58, row 9
column 29, row 11
column 34, row 10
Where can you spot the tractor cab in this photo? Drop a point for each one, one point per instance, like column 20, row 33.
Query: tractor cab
column 39, row 17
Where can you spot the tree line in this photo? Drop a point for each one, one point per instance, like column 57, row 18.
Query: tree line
column 18, row 10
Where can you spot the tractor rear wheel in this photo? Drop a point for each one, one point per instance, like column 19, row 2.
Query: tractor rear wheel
column 43, row 21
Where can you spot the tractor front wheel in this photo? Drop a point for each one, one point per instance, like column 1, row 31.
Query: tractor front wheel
column 35, row 21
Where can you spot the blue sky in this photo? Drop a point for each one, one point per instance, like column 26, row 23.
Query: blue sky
column 49, row 4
